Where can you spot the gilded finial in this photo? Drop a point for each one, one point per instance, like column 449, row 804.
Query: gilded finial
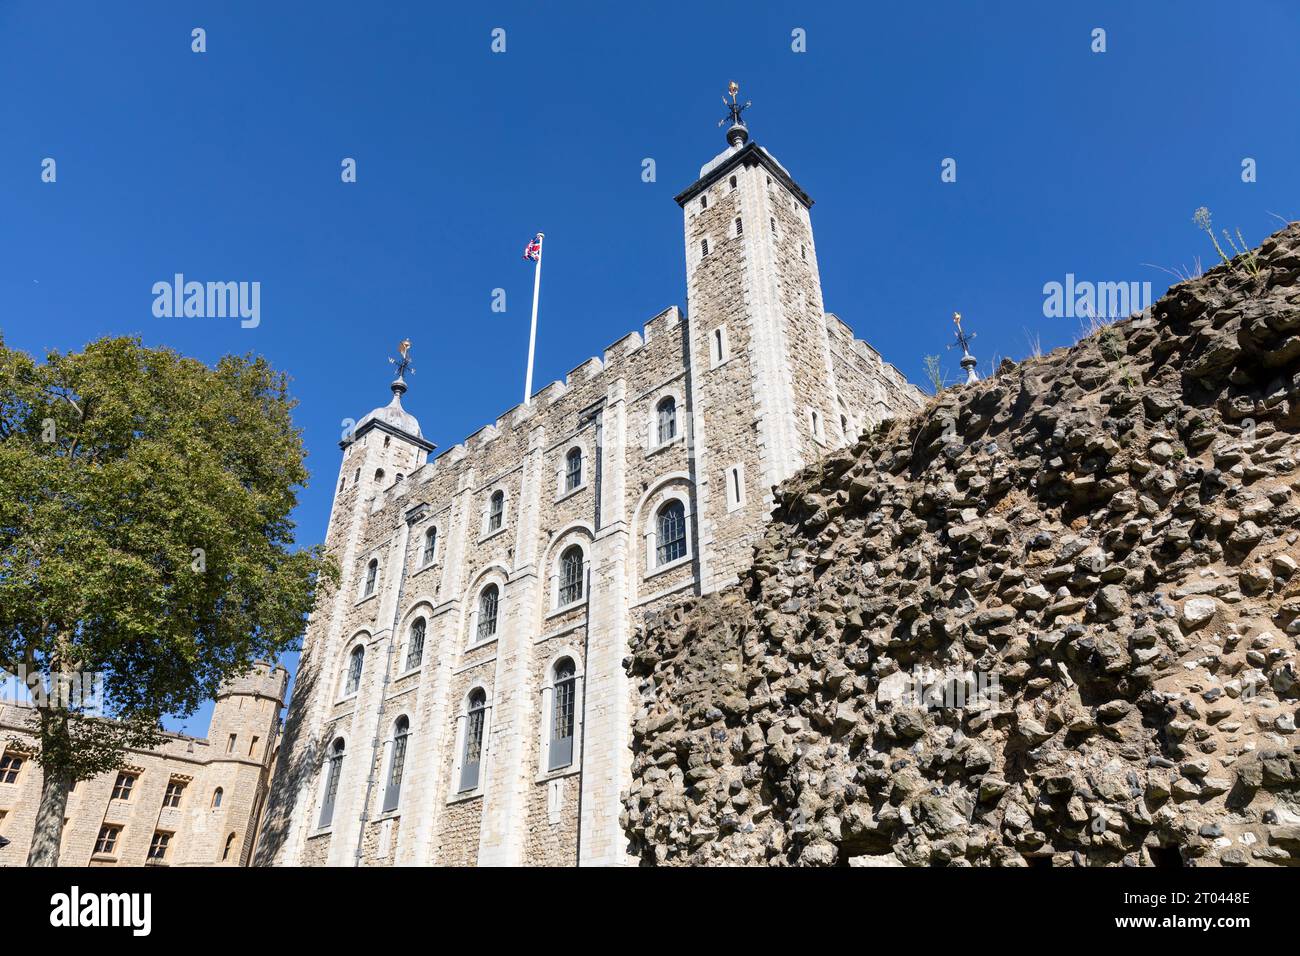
column 738, row 132
column 404, row 363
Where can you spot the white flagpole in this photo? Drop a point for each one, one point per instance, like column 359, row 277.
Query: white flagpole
column 532, row 334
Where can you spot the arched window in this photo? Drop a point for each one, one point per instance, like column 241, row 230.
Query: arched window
column 355, row 663
column 334, row 767
column 671, row 532
column 496, row 510
column 379, row 474
column 230, row 845
column 216, row 798
column 563, row 713
column 372, row 573
column 397, row 763
column 472, row 755
column 570, row 576
column 573, row 469
column 667, row 420
column 415, row 645
column 488, row 601
column 430, row 546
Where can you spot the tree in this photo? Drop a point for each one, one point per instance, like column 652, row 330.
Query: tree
column 144, row 537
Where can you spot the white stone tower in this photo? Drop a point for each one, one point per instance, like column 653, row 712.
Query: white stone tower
column 766, row 399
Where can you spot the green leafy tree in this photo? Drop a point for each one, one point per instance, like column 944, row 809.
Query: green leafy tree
column 144, row 536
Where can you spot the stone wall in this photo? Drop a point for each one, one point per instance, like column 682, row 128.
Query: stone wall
column 1050, row 619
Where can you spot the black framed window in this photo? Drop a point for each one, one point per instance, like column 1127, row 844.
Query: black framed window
column 667, row 419
column 571, row 562
column 475, row 722
column 372, row 574
column 489, row 601
column 430, row 546
column 563, row 714
column 397, row 763
column 671, row 544
column 172, row 798
column 573, row 469
column 355, row 663
column 332, row 772
column 415, row 646
column 496, row 510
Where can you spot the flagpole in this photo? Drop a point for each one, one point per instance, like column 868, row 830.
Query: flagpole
column 532, row 334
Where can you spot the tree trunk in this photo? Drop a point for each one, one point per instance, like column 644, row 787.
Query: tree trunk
column 55, row 783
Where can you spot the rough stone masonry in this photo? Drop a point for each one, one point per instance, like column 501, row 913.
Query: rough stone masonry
column 1105, row 537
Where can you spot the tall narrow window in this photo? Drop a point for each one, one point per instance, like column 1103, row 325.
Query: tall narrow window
column 719, row 345
column 803, row 253
column 230, row 744
column 430, row 546
column 397, row 763
column 733, row 182
column 230, row 845
column 704, row 247
column 372, row 572
column 772, row 220
column 667, row 419
column 740, row 227
column 563, row 714
column 573, row 469
column 475, row 719
column 355, row 663
column 415, row 645
column 496, row 510
column 671, row 532
column 488, row 600
column 704, row 202
column 570, row 575
column 216, row 798
column 332, row 771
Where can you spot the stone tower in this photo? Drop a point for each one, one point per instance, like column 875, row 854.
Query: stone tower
column 243, row 732
column 766, row 397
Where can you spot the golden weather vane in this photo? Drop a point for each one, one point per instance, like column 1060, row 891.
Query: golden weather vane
column 404, row 365
column 734, row 109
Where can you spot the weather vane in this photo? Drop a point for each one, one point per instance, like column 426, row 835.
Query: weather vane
column 968, row 361
column 404, row 364
column 734, row 109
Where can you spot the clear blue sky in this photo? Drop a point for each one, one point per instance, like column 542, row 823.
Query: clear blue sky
column 225, row 166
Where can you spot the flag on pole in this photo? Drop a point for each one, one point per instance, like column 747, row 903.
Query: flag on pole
column 533, row 251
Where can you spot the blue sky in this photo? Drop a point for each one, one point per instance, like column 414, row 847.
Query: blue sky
column 225, row 165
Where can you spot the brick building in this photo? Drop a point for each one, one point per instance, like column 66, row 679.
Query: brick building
column 187, row 802
column 461, row 697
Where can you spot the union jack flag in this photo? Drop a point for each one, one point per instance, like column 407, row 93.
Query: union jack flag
column 534, row 248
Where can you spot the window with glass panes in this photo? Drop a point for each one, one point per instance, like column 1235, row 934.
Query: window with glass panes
column 573, row 469
column 570, row 575
column 172, row 798
column 563, row 714
column 475, row 720
column 123, row 787
column 106, row 842
column 488, row 602
column 415, row 647
column 671, row 544
column 158, row 845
